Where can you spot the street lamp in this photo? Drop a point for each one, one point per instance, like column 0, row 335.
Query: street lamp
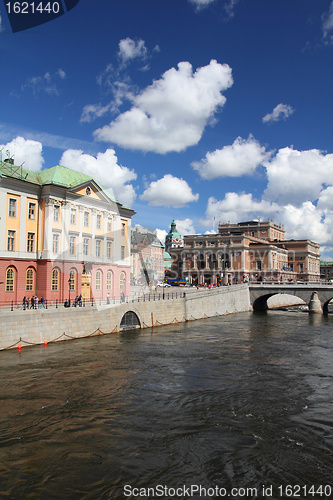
column 69, row 291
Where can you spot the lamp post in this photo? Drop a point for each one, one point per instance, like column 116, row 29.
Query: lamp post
column 69, row 292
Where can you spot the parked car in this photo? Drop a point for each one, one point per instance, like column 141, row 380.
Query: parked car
column 160, row 283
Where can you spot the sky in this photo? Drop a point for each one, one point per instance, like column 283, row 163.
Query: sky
column 202, row 111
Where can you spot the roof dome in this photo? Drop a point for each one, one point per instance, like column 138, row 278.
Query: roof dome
column 173, row 236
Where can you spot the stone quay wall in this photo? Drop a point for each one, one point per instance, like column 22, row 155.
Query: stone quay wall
column 24, row 328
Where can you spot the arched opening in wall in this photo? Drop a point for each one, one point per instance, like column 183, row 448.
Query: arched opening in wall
column 130, row 321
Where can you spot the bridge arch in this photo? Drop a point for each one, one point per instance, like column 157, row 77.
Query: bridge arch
column 261, row 302
column 130, row 321
column 325, row 305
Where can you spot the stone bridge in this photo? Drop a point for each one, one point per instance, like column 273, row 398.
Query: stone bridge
column 260, row 293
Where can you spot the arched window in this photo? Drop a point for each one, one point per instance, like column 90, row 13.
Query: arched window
column 10, row 276
column 109, row 280
column 122, row 281
column 71, row 280
column 98, row 280
column 29, row 281
column 55, row 280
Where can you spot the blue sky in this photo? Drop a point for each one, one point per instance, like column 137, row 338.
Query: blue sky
column 198, row 110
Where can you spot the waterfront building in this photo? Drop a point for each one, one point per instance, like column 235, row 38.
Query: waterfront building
column 62, row 236
column 147, row 253
column 326, row 270
column 247, row 251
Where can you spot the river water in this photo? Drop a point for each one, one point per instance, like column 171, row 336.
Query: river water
column 240, row 405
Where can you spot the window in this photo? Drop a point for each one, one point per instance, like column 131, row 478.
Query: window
column 122, row 281
column 29, row 282
column 109, row 249
column 56, row 213
column 85, row 246
column 31, row 242
column 71, row 281
column 259, row 265
column 32, row 211
column 72, row 242
column 10, row 274
column 301, row 267
column 109, row 280
column 109, row 226
column 123, row 226
column 11, row 241
column 98, row 280
column 73, row 216
column 55, row 280
column 12, row 207
column 122, row 252
column 98, row 248
column 55, row 243
column 98, row 221
column 86, row 219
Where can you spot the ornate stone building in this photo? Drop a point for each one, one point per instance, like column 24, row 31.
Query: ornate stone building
column 247, row 251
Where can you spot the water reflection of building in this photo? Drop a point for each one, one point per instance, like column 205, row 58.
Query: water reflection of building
column 251, row 250
column 61, row 235
column 147, row 256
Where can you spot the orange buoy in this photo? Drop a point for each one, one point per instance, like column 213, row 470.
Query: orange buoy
column 19, row 347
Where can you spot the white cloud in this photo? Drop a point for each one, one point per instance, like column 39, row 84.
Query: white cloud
column 131, row 49
column 185, row 226
column 169, row 191
column 24, row 151
column 47, row 84
column 61, row 73
column 328, row 25
column 201, row 4
column 161, row 234
column 238, row 207
column 280, row 112
column 241, row 158
column 295, row 176
column 92, row 111
column 172, row 113
column 105, row 170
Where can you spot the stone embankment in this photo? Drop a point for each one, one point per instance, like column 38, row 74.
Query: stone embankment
column 26, row 328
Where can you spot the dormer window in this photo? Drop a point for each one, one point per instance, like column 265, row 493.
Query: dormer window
column 88, row 191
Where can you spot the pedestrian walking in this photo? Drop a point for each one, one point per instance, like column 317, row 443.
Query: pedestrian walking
column 42, row 303
column 23, row 303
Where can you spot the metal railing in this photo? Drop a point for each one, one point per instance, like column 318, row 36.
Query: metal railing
column 139, row 297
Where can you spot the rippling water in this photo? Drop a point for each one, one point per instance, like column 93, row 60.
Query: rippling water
column 232, row 402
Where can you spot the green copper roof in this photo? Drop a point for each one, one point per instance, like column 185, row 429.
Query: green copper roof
column 62, row 176
column 173, row 233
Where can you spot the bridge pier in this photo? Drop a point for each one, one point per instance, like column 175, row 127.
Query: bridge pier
column 315, row 304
